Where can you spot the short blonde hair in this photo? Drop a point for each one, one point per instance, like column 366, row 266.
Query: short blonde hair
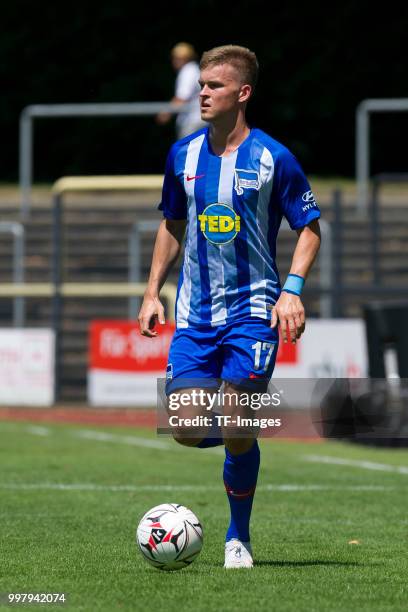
column 184, row 50
column 241, row 58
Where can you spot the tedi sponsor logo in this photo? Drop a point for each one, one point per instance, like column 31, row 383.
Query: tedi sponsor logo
column 219, row 223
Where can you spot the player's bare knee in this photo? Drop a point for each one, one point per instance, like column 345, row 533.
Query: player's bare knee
column 182, row 439
column 187, row 435
column 186, row 420
column 238, row 446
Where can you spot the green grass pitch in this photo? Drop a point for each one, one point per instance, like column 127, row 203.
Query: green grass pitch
column 71, row 498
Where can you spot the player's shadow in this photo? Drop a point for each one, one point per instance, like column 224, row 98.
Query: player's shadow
column 308, row 563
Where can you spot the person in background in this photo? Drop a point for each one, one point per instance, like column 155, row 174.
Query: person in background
column 187, row 89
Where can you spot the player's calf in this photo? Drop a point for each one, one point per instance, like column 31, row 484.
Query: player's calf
column 238, row 431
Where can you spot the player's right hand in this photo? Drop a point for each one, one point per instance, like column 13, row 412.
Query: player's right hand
column 152, row 310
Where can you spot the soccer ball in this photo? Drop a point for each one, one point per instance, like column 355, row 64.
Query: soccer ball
column 169, row 536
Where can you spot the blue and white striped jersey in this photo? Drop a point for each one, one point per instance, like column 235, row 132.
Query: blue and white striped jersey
column 233, row 206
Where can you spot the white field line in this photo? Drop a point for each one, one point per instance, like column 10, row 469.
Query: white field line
column 283, row 488
column 316, row 487
column 365, row 465
column 102, row 436
column 37, row 430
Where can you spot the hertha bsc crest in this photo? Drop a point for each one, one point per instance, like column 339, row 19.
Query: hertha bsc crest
column 246, row 179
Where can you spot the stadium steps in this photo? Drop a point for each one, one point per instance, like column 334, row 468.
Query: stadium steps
column 95, row 249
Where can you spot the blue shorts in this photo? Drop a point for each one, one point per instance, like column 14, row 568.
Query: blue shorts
column 242, row 352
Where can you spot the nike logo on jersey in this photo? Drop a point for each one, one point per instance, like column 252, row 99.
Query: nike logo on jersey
column 192, row 178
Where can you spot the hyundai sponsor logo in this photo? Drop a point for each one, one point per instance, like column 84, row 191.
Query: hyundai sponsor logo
column 309, row 198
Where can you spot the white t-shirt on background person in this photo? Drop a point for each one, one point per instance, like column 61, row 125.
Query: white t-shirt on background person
column 188, row 89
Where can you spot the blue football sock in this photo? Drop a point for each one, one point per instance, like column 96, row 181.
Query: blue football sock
column 240, row 476
column 214, row 437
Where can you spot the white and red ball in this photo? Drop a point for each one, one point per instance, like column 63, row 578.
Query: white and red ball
column 169, row 536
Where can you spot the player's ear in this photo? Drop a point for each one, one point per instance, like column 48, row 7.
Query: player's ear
column 245, row 93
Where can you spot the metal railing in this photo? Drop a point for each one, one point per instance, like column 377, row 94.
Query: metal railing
column 325, row 259
column 62, row 290
column 135, row 258
column 52, row 111
column 363, row 112
column 17, row 231
column 379, row 181
column 86, row 290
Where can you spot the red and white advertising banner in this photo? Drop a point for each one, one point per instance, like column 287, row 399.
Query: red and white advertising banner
column 26, row 367
column 124, row 366
column 329, row 348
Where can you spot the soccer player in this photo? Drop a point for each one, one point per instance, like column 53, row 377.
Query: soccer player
column 230, row 185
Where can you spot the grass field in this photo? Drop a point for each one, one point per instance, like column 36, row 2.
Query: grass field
column 72, row 495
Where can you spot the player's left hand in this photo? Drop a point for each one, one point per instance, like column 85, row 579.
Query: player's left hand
column 289, row 312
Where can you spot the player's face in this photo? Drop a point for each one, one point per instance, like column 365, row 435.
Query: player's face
column 222, row 92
